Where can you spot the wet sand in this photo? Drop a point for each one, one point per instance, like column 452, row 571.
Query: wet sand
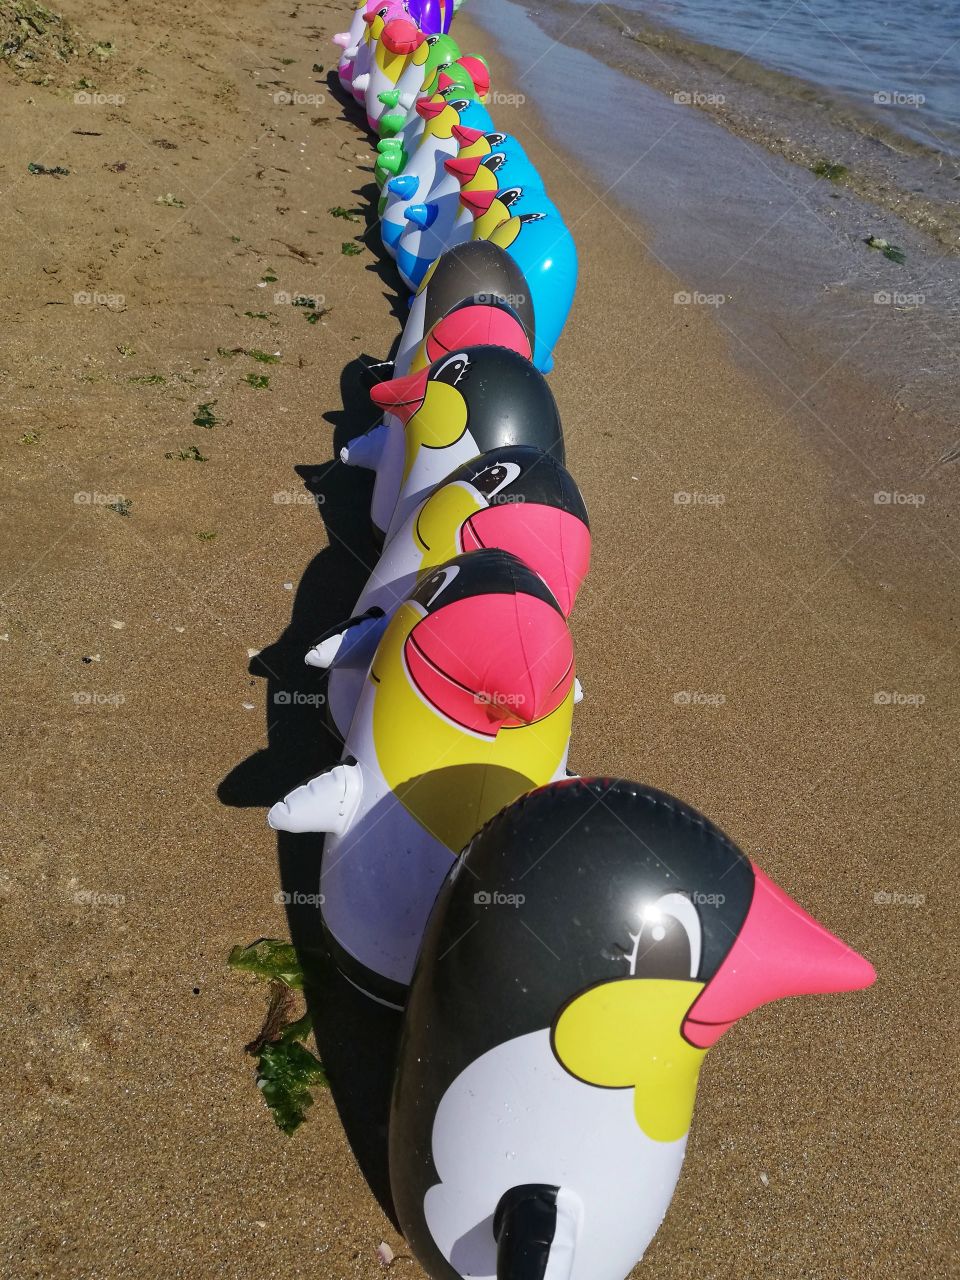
column 136, row 851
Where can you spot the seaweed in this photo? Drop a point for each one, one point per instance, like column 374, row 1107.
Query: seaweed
column 286, row 1069
column 891, row 251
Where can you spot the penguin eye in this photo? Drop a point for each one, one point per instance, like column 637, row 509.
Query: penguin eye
column 670, row 940
column 434, row 586
column 382, row 13
column 433, row 40
column 511, row 195
column 531, row 217
column 494, row 162
column 493, row 479
column 452, row 369
column 495, row 139
column 460, row 104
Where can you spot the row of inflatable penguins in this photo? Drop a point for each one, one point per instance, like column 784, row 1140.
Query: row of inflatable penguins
column 564, row 950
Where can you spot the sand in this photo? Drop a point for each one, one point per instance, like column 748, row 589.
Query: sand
column 144, row 738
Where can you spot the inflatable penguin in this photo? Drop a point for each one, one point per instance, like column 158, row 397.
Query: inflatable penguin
column 396, row 46
column 462, row 405
column 436, row 143
column 467, row 705
column 435, row 52
column 533, row 232
column 465, row 77
column 349, row 41
column 593, row 941
column 471, row 270
column 514, row 498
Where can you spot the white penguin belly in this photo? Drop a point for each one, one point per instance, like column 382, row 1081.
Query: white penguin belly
column 515, row 1116
column 430, row 466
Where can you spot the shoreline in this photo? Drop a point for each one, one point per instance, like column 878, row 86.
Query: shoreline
column 138, row 853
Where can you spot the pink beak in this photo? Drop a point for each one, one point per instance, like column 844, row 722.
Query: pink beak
column 463, row 169
column 427, row 109
column 780, row 951
column 400, row 35
column 465, row 135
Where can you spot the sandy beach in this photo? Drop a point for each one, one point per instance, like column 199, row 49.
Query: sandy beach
column 756, row 635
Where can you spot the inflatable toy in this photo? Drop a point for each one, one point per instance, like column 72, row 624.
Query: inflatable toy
column 515, row 498
column 432, row 16
column 470, row 270
column 470, row 80
column 351, row 40
column 467, row 705
column 468, row 181
column 376, row 22
column 461, row 406
column 593, row 941
column 398, row 43
column 436, row 144
column 436, row 53
column 543, row 248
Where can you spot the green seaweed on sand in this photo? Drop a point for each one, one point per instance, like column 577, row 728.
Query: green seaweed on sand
column 121, row 506
column 349, row 249
column 149, row 379
column 351, row 215
column 171, row 200
column 206, row 535
column 58, row 171
column 257, row 315
column 263, row 356
column 891, row 251
column 190, row 454
column 205, row 417
column 258, row 380
column 30, row 437
column 286, row 1069
column 269, row 958
column 825, row 169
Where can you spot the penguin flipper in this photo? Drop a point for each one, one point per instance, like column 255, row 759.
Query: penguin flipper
column 577, row 692
column 536, row 1228
column 350, row 644
column 366, row 450
column 328, row 802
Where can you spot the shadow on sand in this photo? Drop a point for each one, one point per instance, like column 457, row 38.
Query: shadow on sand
column 356, row 1038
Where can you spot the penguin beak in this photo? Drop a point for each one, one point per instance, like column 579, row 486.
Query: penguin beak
column 477, row 326
column 552, row 542
column 493, row 661
column 465, row 135
column 463, row 168
column 780, row 951
column 427, row 109
column 401, row 36
column 478, row 202
column 478, row 72
column 402, row 397
column 444, row 81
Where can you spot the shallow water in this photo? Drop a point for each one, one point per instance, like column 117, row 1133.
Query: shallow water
column 898, row 58
column 779, row 252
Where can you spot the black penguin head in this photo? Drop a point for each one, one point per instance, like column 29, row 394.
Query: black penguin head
column 492, row 393
column 476, row 267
